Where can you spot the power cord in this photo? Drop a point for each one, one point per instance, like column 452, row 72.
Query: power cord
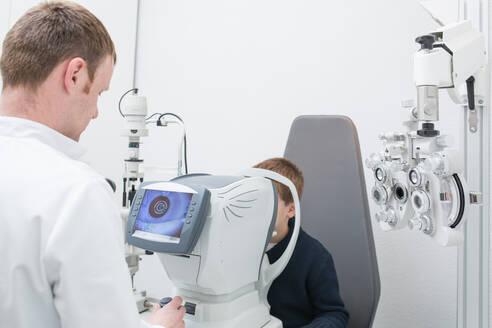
column 123, row 96
column 184, row 137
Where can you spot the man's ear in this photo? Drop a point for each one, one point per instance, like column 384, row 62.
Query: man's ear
column 292, row 210
column 75, row 75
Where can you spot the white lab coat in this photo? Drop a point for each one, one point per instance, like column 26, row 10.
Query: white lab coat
column 61, row 245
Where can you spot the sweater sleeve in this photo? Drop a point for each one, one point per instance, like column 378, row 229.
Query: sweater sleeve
column 322, row 286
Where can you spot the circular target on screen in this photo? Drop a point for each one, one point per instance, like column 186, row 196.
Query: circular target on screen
column 159, row 207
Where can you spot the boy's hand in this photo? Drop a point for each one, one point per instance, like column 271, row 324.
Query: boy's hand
column 169, row 316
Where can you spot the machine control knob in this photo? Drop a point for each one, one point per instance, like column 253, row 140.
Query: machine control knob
column 381, row 174
column 427, row 225
column 164, row 301
column 414, row 224
column 190, row 308
column 423, row 223
column 416, row 177
column 391, row 218
column 428, row 131
column 426, row 41
column 379, row 194
column 420, row 201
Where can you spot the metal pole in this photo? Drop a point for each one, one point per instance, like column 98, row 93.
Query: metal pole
column 473, row 255
column 135, row 56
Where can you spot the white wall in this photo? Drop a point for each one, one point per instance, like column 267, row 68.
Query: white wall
column 489, row 198
column 239, row 72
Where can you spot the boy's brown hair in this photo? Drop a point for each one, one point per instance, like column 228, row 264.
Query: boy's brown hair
column 289, row 170
column 48, row 34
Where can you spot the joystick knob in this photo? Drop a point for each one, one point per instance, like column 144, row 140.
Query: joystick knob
column 164, row 301
column 426, row 41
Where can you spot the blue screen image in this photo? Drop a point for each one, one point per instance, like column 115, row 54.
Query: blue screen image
column 163, row 212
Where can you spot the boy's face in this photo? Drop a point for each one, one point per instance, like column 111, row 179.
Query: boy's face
column 285, row 212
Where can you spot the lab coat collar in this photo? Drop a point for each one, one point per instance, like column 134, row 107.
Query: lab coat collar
column 22, row 128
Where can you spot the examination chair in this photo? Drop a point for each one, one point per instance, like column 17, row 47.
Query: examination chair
column 334, row 207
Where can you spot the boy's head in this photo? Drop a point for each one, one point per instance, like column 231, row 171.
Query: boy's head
column 286, row 208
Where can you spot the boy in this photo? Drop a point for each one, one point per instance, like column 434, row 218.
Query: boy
column 306, row 293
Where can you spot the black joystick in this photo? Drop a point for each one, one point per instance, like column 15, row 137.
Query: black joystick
column 428, row 131
column 163, row 302
column 426, row 41
column 190, row 307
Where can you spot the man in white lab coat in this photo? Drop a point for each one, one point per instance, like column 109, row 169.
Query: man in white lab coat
column 61, row 244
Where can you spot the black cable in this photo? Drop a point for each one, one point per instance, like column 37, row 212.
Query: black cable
column 470, row 88
column 159, row 124
column 170, row 114
column 185, row 155
column 461, row 195
column 148, row 118
column 184, row 138
column 123, row 96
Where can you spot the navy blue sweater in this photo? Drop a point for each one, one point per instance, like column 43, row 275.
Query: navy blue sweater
column 306, row 293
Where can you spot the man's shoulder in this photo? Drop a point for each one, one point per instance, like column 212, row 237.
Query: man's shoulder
column 56, row 161
column 42, row 164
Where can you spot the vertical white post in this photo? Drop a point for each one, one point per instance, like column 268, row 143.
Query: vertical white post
column 473, row 255
column 135, row 58
column 486, row 177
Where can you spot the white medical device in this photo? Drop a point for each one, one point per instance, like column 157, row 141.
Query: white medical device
column 211, row 234
column 418, row 174
column 450, row 58
column 134, row 111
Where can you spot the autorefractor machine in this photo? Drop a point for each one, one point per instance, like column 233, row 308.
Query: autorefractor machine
column 211, row 234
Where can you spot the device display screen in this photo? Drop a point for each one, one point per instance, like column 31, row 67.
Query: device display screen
column 163, row 213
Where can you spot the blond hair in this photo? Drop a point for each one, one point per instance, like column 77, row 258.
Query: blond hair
column 289, row 170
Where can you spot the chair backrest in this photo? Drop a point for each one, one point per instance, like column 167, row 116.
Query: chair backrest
column 334, row 206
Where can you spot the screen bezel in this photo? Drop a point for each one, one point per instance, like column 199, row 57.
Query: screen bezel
column 190, row 233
